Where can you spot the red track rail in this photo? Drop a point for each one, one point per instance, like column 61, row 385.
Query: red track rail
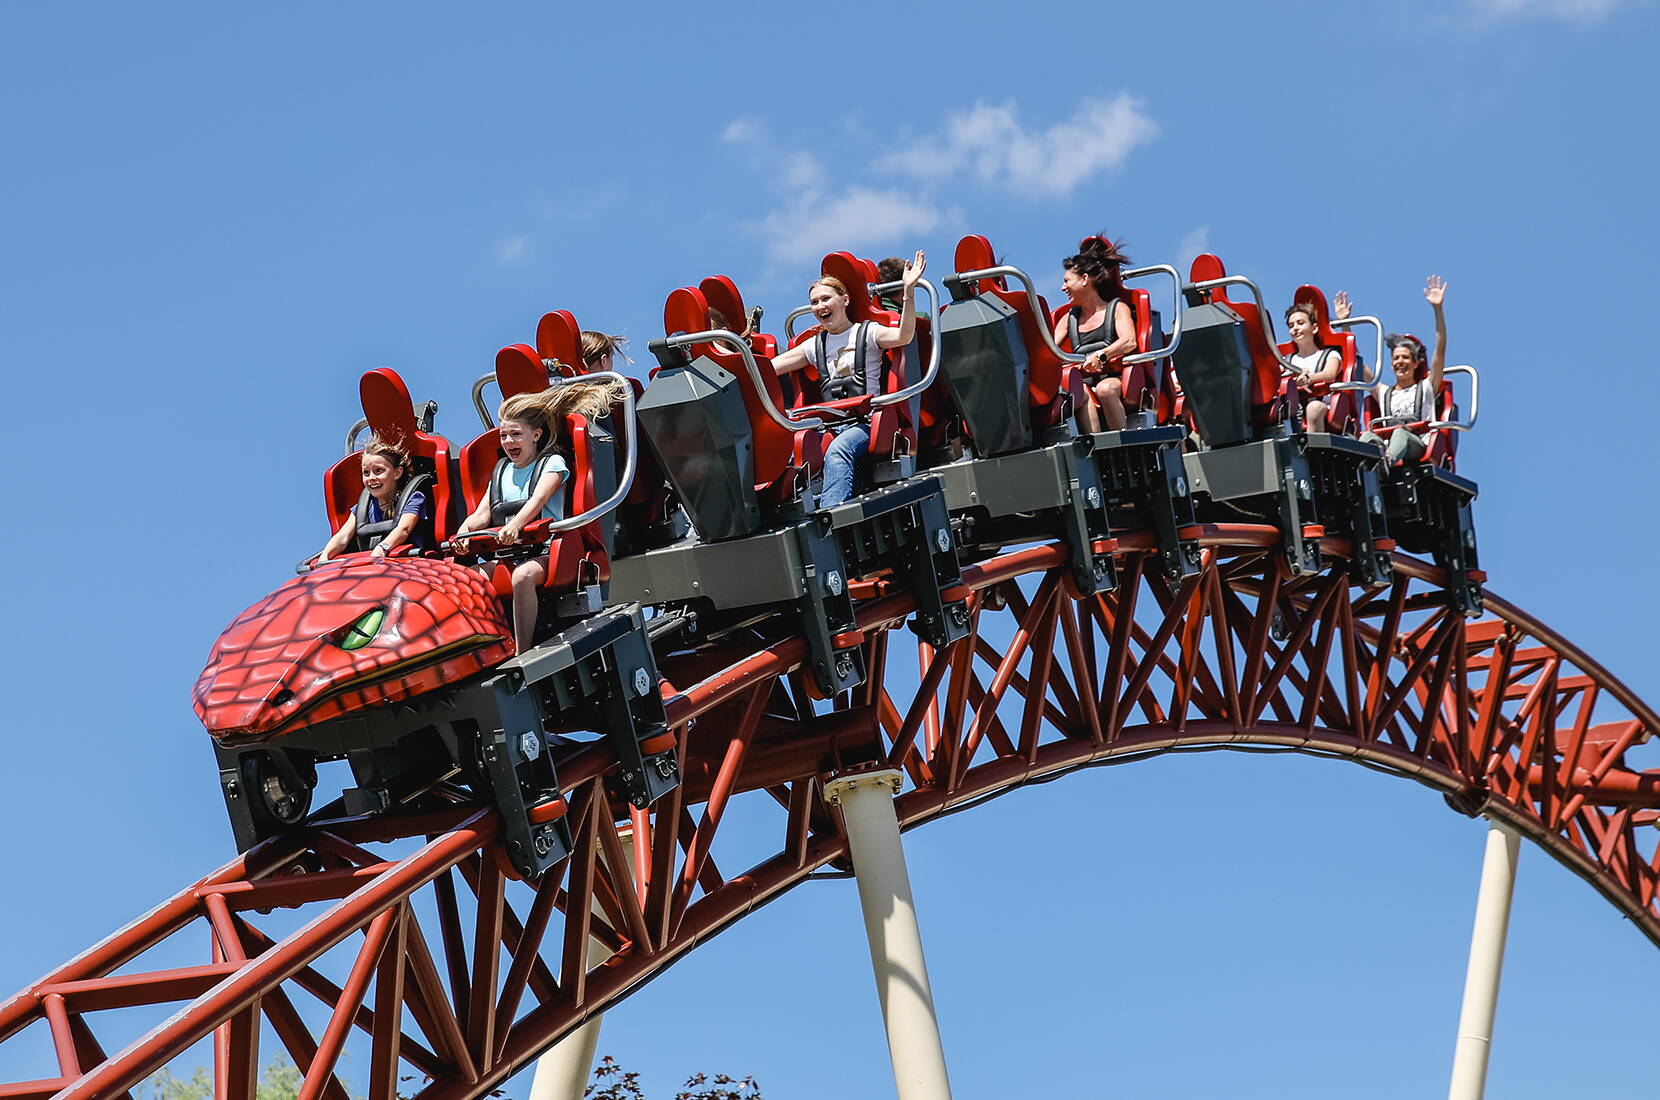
column 463, row 982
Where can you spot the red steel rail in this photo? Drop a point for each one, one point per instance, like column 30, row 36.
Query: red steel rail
column 459, row 976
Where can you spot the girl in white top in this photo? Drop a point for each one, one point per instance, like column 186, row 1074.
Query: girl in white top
column 534, row 473
column 1315, row 365
column 848, row 358
column 1409, row 400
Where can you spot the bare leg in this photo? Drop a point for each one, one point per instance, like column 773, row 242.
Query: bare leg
column 527, row 578
column 1088, row 420
column 1314, row 415
column 1110, row 393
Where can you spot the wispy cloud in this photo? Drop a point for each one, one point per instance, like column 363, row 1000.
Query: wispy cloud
column 989, row 143
column 845, row 201
column 741, row 130
column 1573, row 11
column 815, row 222
column 512, row 248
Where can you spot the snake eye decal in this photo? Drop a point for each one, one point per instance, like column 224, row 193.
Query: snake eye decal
column 360, row 633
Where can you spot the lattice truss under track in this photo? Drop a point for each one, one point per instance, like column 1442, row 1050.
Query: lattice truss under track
column 403, row 938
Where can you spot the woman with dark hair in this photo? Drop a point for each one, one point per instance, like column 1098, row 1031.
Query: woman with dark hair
column 1410, row 400
column 1317, row 366
column 1097, row 325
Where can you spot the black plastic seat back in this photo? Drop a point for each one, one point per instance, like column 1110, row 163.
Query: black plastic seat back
column 983, row 358
column 1213, row 364
column 694, row 418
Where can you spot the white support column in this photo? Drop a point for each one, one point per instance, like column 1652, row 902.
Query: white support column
column 562, row 1070
column 866, row 802
column 1481, row 981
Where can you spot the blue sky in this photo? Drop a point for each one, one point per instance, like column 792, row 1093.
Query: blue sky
column 216, row 217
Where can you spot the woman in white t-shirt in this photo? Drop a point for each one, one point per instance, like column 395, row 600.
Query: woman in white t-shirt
column 1317, row 366
column 1410, row 400
column 848, row 358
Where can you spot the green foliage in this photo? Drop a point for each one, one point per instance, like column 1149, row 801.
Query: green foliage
column 165, row 1085
column 612, row 1082
column 280, row 1081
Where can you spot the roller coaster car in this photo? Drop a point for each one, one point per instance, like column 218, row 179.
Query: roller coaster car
column 1254, row 456
column 743, row 468
column 1014, row 391
column 404, row 666
column 1430, row 506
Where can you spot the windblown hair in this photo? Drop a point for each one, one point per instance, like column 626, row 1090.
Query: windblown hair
column 392, row 450
column 595, row 345
column 1410, row 342
column 1100, row 260
column 547, row 409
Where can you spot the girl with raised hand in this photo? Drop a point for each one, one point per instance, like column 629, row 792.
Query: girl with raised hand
column 533, row 476
column 385, row 470
column 1099, row 326
column 848, row 358
column 1410, row 400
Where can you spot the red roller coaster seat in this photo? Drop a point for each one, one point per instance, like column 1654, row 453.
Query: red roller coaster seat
column 558, row 338
column 784, row 460
column 1272, row 393
column 391, row 415
column 577, row 555
column 1342, row 410
column 1442, row 443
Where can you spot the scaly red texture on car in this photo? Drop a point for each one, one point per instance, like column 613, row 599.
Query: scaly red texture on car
column 356, row 633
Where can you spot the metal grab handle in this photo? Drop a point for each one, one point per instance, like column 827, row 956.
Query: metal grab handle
column 883, row 400
column 1262, row 315
column 1377, row 357
column 478, row 399
column 726, row 336
column 624, row 483
column 1008, row 271
column 789, row 322
column 351, row 433
column 1176, row 322
column 1475, row 399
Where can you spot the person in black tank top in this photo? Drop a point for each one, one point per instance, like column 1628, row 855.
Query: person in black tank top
column 1098, row 325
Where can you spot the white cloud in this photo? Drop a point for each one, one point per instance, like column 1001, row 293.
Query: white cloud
column 512, row 248
column 800, row 171
column 814, row 223
column 1194, row 242
column 989, row 143
column 1575, row 11
column 741, row 130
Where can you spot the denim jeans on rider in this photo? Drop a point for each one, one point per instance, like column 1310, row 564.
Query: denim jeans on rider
column 847, row 448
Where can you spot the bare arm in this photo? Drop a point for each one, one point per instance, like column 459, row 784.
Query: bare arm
column 480, row 517
column 899, row 337
column 1436, row 292
column 792, row 360
column 546, row 486
column 1331, row 364
column 398, row 535
column 340, row 539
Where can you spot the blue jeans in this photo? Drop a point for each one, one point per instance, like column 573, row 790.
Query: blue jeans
column 847, row 448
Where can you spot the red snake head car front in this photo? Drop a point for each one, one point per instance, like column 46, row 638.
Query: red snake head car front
column 354, row 633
